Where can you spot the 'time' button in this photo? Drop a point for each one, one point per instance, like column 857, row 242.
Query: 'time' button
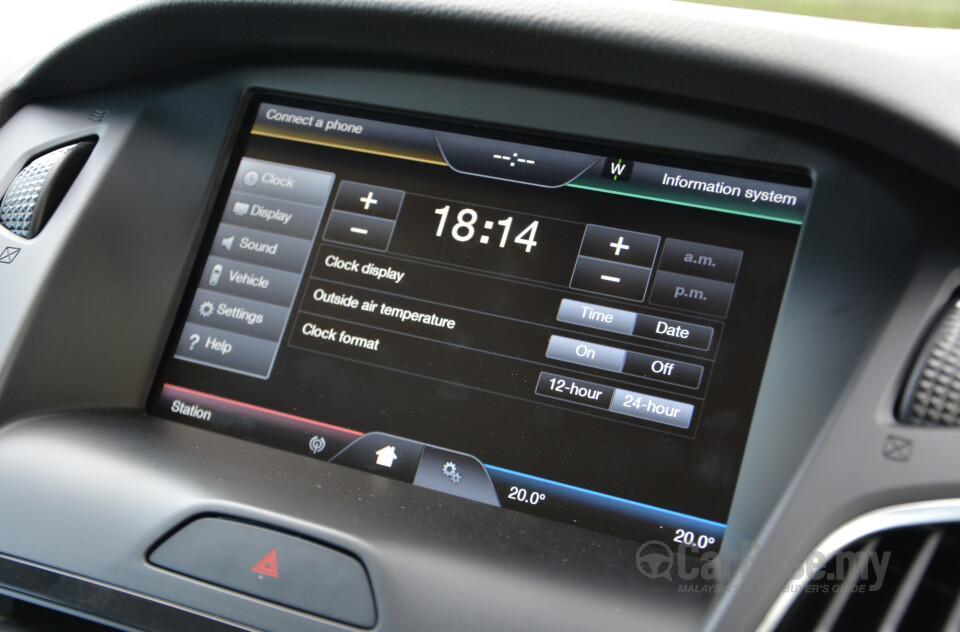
column 596, row 316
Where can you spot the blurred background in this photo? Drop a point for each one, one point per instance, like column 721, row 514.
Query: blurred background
column 32, row 28
column 929, row 13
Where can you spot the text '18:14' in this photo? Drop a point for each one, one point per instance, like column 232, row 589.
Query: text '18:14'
column 465, row 229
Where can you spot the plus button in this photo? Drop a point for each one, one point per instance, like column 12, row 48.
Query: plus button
column 367, row 201
column 618, row 246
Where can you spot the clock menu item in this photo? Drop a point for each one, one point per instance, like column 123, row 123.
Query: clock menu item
column 572, row 332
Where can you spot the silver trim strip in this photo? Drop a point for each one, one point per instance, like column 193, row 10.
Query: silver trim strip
column 906, row 515
column 832, row 614
column 910, row 584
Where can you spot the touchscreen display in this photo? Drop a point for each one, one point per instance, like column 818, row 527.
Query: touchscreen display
column 549, row 326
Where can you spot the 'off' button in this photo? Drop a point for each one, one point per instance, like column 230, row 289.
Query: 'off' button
column 661, row 369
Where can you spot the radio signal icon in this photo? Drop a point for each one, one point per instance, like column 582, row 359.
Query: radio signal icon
column 317, row 444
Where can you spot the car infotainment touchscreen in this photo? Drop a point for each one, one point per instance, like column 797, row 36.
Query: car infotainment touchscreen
column 566, row 329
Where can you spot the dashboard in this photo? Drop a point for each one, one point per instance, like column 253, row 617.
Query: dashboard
column 408, row 316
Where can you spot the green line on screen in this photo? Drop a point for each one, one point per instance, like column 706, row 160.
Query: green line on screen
column 775, row 218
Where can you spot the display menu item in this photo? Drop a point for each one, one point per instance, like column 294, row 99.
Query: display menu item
column 556, row 328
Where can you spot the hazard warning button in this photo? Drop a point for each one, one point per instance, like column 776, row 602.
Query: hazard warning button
column 272, row 566
column 268, row 565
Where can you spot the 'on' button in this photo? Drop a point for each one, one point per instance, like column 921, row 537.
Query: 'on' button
column 586, row 353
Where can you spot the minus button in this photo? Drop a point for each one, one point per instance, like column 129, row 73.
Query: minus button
column 610, row 277
column 357, row 229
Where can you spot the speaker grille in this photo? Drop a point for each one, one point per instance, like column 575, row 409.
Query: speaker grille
column 39, row 187
column 931, row 396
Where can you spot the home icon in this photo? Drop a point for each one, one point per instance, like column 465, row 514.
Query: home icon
column 386, row 456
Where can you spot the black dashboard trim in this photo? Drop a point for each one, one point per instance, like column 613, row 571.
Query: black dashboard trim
column 100, row 602
column 852, row 297
column 813, row 70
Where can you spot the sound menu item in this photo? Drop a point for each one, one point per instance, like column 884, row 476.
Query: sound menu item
column 573, row 332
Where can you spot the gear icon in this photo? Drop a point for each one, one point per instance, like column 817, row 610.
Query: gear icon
column 206, row 309
column 455, row 479
column 450, row 469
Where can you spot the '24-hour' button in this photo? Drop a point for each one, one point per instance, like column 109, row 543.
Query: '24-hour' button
column 650, row 408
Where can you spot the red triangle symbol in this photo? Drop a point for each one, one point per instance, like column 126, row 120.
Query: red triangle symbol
column 268, row 565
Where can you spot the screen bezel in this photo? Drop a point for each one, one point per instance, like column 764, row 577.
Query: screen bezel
column 253, row 98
